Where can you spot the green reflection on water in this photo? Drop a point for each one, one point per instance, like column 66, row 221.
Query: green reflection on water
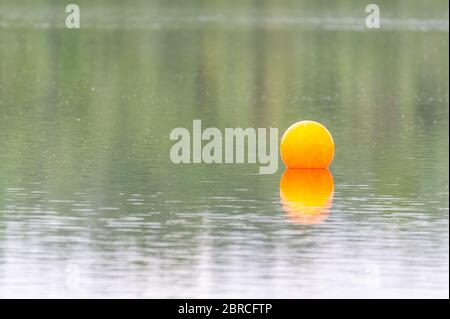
column 85, row 118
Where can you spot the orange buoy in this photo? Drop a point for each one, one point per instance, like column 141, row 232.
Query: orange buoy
column 306, row 194
column 307, row 144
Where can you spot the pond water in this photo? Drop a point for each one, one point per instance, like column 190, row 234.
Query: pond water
column 92, row 206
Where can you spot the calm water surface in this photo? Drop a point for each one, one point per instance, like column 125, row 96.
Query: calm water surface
column 90, row 204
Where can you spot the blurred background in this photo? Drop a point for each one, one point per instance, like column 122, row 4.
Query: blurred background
column 92, row 206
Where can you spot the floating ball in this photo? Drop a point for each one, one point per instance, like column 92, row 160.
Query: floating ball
column 307, row 144
column 306, row 194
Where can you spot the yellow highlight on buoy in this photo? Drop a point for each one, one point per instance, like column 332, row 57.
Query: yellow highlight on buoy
column 306, row 194
column 307, row 144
